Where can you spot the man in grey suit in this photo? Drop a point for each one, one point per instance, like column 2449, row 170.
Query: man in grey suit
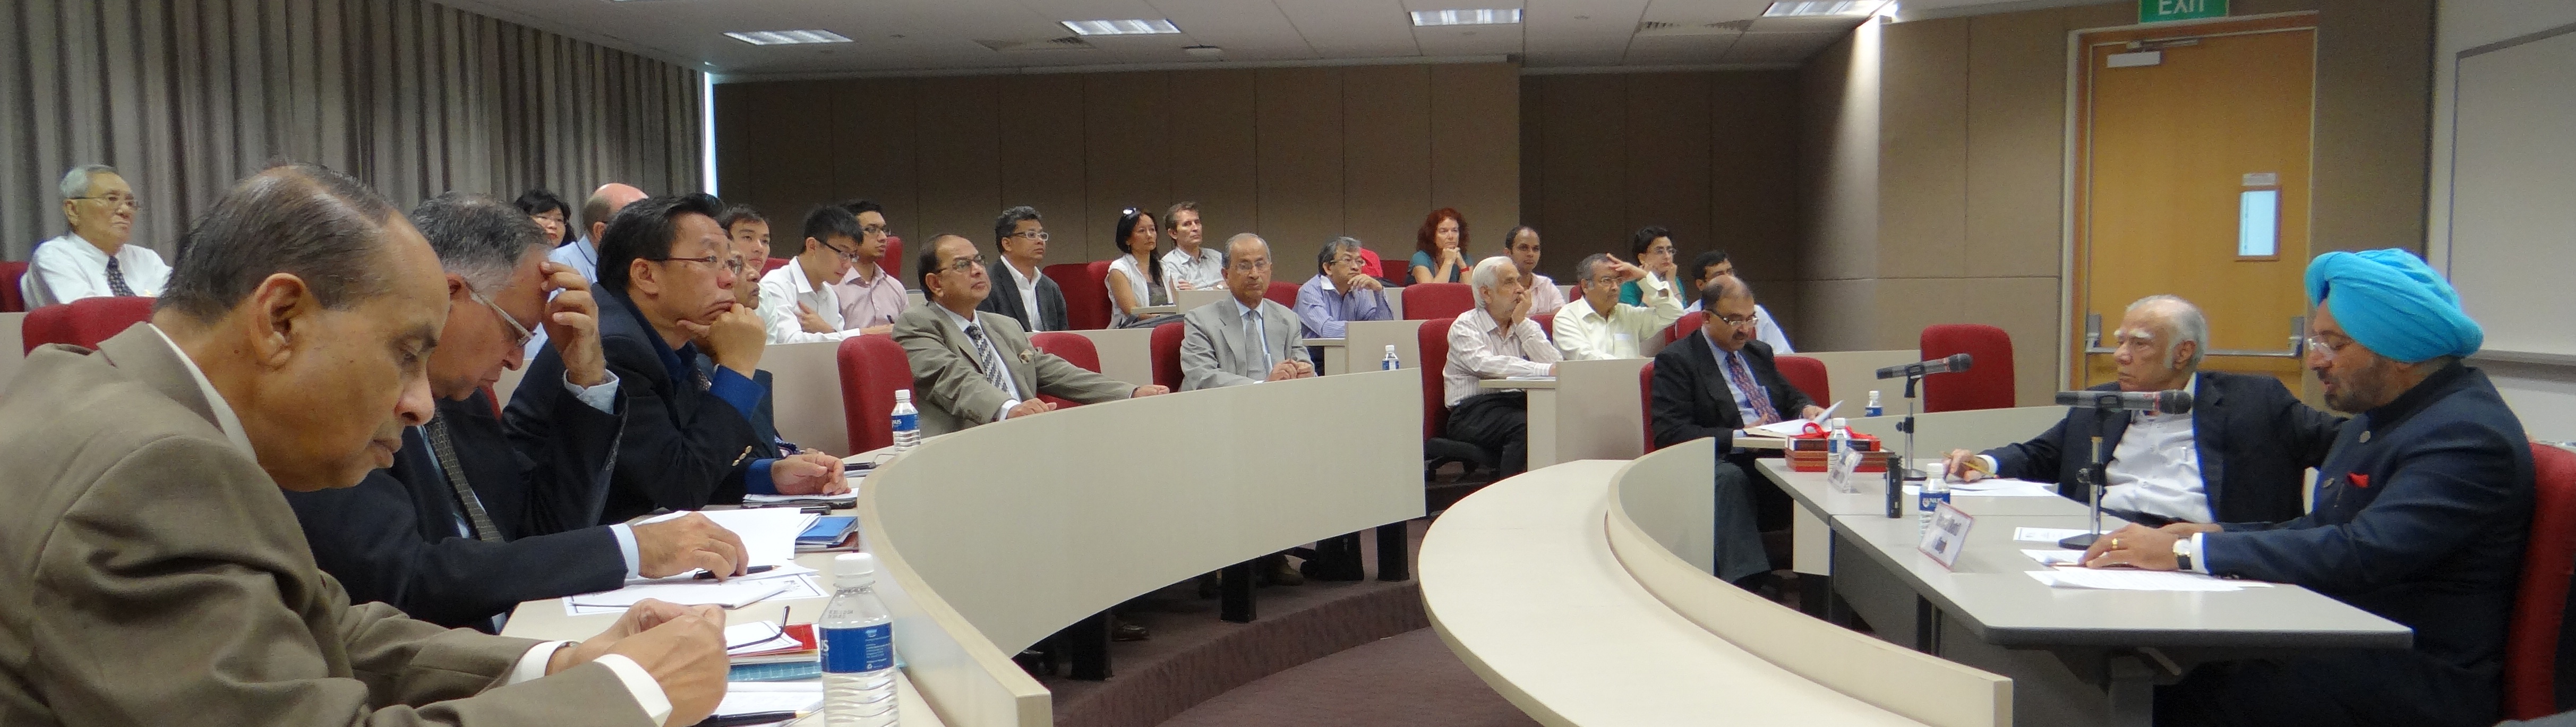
column 158, row 576
column 1246, row 340
column 970, row 367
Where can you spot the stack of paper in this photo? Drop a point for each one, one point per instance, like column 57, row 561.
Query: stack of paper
column 757, row 697
column 789, row 582
column 2003, row 487
column 2046, row 535
column 2122, row 579
column 768, row 534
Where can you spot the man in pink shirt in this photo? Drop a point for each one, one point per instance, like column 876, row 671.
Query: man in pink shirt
column 871, row 295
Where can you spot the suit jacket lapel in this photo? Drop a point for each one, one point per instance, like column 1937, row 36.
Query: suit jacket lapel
column 1722, row 391
column 2208, row 419
column 1023, row 367
column 141, row 351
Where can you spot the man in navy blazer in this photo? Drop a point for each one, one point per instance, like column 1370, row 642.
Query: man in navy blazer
column 2239, row 456
column 508, row 523
column 2421, row 514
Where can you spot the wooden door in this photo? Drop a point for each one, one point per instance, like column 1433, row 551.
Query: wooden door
column 2167, row 147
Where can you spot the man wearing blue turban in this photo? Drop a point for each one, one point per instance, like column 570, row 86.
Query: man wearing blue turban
column 2420, row 516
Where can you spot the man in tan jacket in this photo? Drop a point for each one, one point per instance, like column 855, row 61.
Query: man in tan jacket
column 155, row 574
column 972, row 367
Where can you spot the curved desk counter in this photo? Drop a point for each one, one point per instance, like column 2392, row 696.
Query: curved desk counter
column 1581, row 593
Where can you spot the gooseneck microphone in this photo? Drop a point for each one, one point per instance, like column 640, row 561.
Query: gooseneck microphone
column 1956, row 362
column 2169, row 401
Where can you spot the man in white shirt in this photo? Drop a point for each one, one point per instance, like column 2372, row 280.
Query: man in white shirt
column 798, row 301
column 582, row 253
column 92, row 260
column 1497, row 340
column 1545, row 297
column 1714, row 264
column 1601, row 327
column 1191, row 265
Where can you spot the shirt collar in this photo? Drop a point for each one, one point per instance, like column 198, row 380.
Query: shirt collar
column 1240, row 310
column 82, row 246
column 1326, row 281
column 854, row 277
column 588, row 251
column 961, row 321
column 225, row 418
column 1016, row 278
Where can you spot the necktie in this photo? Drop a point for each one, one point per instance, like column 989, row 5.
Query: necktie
column 445, row 449
column 116, row 279
column 1753, row 392
column 989, row 359
column 1252, row 322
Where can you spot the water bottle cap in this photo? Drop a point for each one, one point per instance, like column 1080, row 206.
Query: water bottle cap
column 851, row 570
column 1839, row 423
column 903, row 396
column 1873, row 393
column 1390, row 349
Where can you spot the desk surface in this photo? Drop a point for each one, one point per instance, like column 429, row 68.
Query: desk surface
column 1509, row 384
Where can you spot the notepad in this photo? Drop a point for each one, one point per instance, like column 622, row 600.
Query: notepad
column 768, row 534
column 734, row 593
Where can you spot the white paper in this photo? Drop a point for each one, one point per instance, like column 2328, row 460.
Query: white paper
column 2026, row 490
column 846, row 498
column 2056, row 558
column 781, row 571
column 1789, row 428
column 756, row 637
column 734, row 593
column 755, row 697
column 2046, row 535
column 768, row 533
column 1995, row 483
column 2121, row 579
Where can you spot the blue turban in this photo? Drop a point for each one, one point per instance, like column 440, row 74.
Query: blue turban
column 2393, row 304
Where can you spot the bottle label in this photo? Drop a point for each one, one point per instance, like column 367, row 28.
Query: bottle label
column 907, row 422
column 1930, row 501
column 850, row 651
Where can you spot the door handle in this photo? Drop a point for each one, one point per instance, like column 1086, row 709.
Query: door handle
column 2298, row 344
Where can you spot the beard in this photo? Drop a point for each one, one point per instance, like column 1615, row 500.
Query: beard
column 2364, row 388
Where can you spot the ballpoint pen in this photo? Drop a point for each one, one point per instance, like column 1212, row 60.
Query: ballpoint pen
column 710, row 575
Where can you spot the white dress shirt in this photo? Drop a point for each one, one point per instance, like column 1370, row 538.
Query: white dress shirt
column 1028, row 287
column 1545, row 296
column 68, row 268
column 782, row 290
column 2156, row 467
column 1010, row 386
column 638, row 682
column 1767, row 331
column 1583, row 334
column 1480, row 349
column 1203, row 271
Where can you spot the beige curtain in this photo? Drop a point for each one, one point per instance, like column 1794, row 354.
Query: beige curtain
column 186, row 96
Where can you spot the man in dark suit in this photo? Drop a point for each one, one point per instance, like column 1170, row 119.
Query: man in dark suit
column 2421, row 514
column 1023, row 238
column 666, row 280
column 465, row 525
column 2239, row 456
column 1715, row 383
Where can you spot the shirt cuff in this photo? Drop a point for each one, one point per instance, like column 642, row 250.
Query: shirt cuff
column 757, row 482
column 2199, row 553
column 639, row 684
column 1993, row 468
column 736, row 389
column 626, row 549
column 602, row 397
column 533, row 664
column 1005, row 411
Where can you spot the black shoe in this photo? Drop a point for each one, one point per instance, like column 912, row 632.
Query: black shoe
column 1121, row 630
column 1279, row 573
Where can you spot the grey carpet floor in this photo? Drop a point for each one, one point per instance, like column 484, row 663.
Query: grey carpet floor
column 1409, row 679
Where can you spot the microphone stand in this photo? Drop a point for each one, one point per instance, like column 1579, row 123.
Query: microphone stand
column 2094, row 477
column 1900, row 471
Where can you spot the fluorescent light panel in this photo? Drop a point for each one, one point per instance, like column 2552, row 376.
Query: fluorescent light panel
column 1480, row 16
column 1821, row 8
column 787, row 37
column 1156, row 26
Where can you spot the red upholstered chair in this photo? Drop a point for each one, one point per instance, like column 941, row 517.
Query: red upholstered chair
column 893, row 260
column 2540, row 604
column 1646, row 402
column 1425, row 301
column 1165, row 347
column 1282, row 293
column 773, row 264
column 84, row 322
column 1074, row 348
column 1086, row 293
column 872, row 367
column 1987, row 384
column 12, row 300
column 1808, row 375
column 1682, row 327
column 1546, row 323
column 1433, row 341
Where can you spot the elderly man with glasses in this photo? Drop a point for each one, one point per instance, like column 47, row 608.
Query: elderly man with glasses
column 799, row 300
column 972, row 366
column 1601, row 327
column 92, row 260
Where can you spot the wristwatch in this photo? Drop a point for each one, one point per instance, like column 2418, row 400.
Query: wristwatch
column 2182, row 554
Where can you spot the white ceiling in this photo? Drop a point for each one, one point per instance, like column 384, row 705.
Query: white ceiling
column 936, row 36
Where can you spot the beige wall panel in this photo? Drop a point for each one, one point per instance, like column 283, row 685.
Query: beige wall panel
column 1838, row 167
column 1666, row 179
column 1386, row 164
column 1126, row 117
column 959, row 162
column 1211, row 148
column 1533, row 98
column 1475, row 146
column 2374, row 87
column 1585, row 172
column 1042, row 161
column 775, row 173
column 1755, row 203
column 1836, row 315
column 1923, row 151
column 2016, row 153
column 1299, row 146
column 872, row 155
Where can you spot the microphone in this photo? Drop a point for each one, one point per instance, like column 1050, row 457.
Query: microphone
column 2169, row 401
column 1956, row 362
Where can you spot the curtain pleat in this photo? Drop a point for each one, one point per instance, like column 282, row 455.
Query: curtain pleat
column 184, row 97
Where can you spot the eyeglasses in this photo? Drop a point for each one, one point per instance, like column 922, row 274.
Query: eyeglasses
column 1740, row 321
column 520, row 331
column 734, row 264
column 2323, row 350
column 1038, row 235
column 850, row 255
column 872, row 230
column 964, row 264
column 1252, row 264
column 117, row 200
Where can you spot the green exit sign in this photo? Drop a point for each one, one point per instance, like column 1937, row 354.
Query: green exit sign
column 2158, row 11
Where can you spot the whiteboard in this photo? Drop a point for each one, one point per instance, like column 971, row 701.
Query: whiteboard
column 2513, row 194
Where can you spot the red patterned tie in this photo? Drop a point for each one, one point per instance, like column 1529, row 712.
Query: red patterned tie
column 1753, row 392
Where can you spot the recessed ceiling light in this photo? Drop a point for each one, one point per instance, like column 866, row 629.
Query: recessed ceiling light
column 1821, row 8
column 1157, row 26
column 787, row 37
column 1481, row 16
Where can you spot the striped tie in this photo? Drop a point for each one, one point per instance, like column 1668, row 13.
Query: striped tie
column 1742, row 377
column 988, row 358
column 116, row 279
column 445, row 449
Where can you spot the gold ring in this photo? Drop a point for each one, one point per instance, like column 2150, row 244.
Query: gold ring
column 2115, row 543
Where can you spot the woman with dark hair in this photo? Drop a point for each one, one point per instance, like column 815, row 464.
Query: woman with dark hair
column 1652, row 248
column 1440, row 248
column 548, row 210
column 1136, row 278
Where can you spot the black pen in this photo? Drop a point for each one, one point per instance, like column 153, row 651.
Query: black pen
column 710, row 575
column 736, row 720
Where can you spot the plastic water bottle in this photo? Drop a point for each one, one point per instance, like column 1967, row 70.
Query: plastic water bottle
column 1390, row 363
column 1838, row 442
column 1873, row 409
column 1935, row 492
column 907, row 421
column 858, row 648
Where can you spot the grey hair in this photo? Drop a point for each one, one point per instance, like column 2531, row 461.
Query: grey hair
column 2185, row 323
column 1483, row 276
column 1239, row 237
column 478, row 238
column 1584, row 268
column 76, row 182
column 1334, row 248
column 298, row 219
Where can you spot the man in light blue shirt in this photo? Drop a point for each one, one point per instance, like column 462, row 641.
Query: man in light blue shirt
column 581, row 255
column 1339, row 293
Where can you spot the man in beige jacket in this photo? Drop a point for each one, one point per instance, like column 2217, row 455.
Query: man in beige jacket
column 156, row 575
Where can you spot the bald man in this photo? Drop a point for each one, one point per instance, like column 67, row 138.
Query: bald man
column 582, row 253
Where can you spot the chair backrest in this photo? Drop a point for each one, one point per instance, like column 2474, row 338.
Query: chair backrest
column 1283, row 293
column 1682, row 327
column 773, row 264
column 2540, row 603
column 1074, row 348
column 1425, row 301
column 1646, row 403
column 1987, row 384
column 1086, row 293
column 872, row 367
column 84, row 322
column 1808, row 375
column 893, row 260
column 1165, row 347
column 1546, row 323
column 12, row 300
column 1432, row 339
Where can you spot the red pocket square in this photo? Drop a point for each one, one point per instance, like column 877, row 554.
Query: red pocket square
column 2358, row 479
